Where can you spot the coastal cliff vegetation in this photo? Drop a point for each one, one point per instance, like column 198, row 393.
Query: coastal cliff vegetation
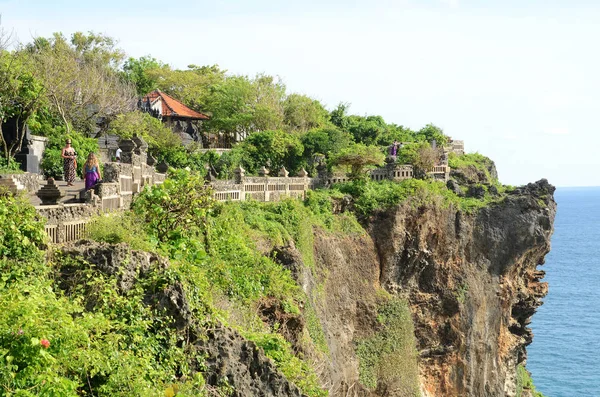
column 361, row 289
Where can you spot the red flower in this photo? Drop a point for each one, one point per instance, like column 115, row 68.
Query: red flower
column 45, row 343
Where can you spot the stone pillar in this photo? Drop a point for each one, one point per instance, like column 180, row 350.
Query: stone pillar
column 141, row 148
column 304, row 175
column 127, row 146
column 26, row 156
column 263, row 171
column 162, row 167
column 9, row 184
column 112, row 172
column 283, row 172
column 239, row 175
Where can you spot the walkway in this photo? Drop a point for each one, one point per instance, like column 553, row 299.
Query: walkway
column 71, row 192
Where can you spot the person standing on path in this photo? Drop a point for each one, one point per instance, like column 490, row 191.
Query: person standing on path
column 69, row 163
column 91, row 171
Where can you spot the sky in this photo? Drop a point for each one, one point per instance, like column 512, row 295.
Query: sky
column 517, row 80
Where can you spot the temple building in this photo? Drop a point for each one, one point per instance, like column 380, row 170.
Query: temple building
column 179, row 118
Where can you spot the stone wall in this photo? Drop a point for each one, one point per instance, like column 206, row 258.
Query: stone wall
column 38, row 145
column 26, row 180
column 66, row 222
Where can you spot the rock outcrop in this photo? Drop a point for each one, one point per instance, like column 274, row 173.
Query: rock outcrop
column 229, row 360
column 471, row 281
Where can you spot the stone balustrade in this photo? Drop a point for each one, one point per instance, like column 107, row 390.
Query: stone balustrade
column 67, row 222
column 122, row 180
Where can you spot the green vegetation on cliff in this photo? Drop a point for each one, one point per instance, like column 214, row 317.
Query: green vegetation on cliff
column 388, row 359
column 525, row 383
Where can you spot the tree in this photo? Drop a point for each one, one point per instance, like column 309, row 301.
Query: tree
column 178, row 207
column 302, row 113
column 162, row 142
column 192, row 86
column 80, row 79
column 420, row 155
column 327, row 141
column 272, row 149
column 430, row 133
column 240, row 106
column 366, row 129
column 21, row 94
column 338, row 116
column 142, row 72
column 359, row 158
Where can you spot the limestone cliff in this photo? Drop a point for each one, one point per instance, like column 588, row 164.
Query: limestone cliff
column 471, row 282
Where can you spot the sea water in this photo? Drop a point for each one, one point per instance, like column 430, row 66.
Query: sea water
column 564, row 358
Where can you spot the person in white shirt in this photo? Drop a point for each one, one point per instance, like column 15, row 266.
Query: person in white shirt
column 118, row 154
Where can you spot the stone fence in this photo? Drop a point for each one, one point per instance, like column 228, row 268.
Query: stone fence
column 121, row 181
column 266, row 188
column 67, row 222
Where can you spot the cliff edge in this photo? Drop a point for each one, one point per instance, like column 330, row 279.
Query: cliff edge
column 471, row 282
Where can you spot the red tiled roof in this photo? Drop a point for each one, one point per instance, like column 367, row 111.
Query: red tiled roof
column 172, row 107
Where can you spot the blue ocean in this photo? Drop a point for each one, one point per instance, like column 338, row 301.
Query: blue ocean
column 564, row 358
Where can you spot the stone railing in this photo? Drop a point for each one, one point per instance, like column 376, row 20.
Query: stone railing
column 263, row 187
column 68, row 222
column 266, row 188
column 440, row 173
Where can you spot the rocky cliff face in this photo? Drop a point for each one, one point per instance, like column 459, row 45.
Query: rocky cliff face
column 471, row 282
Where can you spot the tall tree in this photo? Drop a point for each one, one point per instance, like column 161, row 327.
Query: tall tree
column 240, row 105
column 302, row 113
column 359, row 158
column 141, row 73
column 192, row 86
column 21, row 94
column 80, row 78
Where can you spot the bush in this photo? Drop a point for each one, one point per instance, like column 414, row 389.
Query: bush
column 52, row 162
column 176, row 208
column 10, row 166
column 370, row 196
column 359, row 158
column 524, row 382
column 473, row 163
column 22, row 233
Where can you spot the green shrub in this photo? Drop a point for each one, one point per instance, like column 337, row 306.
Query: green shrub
column 370, row 196
column 294, row 369
column 22, row 233
column 52, row 162
column 176, row 208
column 389, row 357
column 9, row 167
column 472, row 161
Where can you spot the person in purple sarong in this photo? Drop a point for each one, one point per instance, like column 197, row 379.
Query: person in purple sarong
column 92, row 171
column 394, row 149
